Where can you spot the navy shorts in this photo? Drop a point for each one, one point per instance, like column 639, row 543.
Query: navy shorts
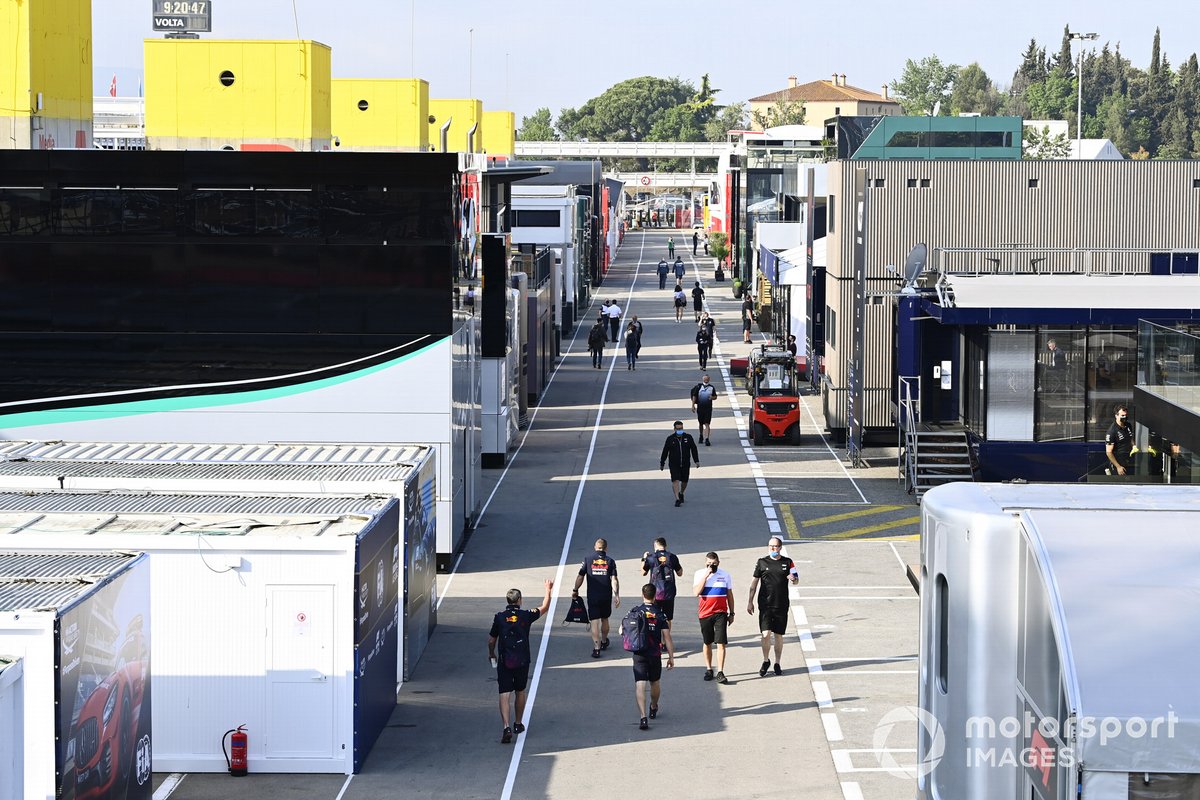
column 599, row 607
column 512, row 680
column 647, row 667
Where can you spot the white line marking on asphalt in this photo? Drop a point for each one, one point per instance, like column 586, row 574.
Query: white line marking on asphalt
column 843, row 762
column 903, row 566
column 449, row 579
column 806, row 641
column 800, row 616
column 860, row 597
column 822, row 694
column 825, row 441
column 760, row 482
column 899, row 586
column 813, row 664
column 345, row 786
column 535, row 679
column 763, row 491
column 851, row 791
column 774, row 526
column 169, row 785
column 833, row 728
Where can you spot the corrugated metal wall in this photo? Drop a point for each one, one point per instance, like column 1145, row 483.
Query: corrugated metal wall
column 992, row 204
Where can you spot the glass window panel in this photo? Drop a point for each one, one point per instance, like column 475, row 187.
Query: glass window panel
column 24, row 212
column 1010, row 385
column 1110, row 374
column 1060, row 386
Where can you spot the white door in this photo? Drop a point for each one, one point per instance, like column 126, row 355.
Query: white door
column 300, row 692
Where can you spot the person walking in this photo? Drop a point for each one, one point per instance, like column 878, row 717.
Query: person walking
column 1118, row 443
column 697, row 300
column 510, row 630
column 614, row 319
column 676, row 449
column 706, row 244
column 703, row 395
column 772, row 574
column 637, row 325
column 714, row 587
column 703, row 345
column 680, row 269
column 603, row 592
column 662, row 567
column 632, row 345
column 709, row 324
column 647, row 662
column 747, row 317
column 663, row 269
column 695, row 241
column 597, row 337
column 670, row 247
column 680, row 301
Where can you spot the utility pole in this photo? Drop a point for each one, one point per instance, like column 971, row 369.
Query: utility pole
column 1080, row 37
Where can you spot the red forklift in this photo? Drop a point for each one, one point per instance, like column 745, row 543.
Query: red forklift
column 772, row 379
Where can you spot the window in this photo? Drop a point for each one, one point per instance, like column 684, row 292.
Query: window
column 1196, row 183
column 831, row 327
column 924, row 183
column 942, row 594
column 879, row 183
column 911, row 183
column 1059, row 401
column 830, row 215
column 536, row 218
column 1010, row 384
column 952, row 139
column 995, row 139
column 1033, row 183
column 363, row 105
column 905, row 139
column 226, row 78
column 1110, row 373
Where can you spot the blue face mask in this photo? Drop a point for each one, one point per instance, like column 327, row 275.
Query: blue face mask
column 773, row 554
column 679, row 433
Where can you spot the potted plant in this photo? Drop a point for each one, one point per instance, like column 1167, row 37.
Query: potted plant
column 718, row 248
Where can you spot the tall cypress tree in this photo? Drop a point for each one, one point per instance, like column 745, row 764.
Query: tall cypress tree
column 1064, row 62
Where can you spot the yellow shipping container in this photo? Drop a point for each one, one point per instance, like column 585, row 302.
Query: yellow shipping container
column 500, row 133
column 209, row 94
column 463, row 115
column 380, row 114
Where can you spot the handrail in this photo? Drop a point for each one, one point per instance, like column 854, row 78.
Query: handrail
column 1014, row 259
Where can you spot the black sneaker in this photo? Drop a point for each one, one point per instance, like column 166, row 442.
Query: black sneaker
column 678, row 502
column 762, row 671
column 721, row 678
column 506, row 737
column 604, row 644
column 681, row 496
column 595, row 652
column 518, row 728
column 708, row 442
column 653, row 712
column 644, row 725
column 708, row 674
column 778, row 669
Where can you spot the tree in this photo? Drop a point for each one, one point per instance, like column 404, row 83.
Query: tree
column 1064, row 62
column 1052, row 98
column 727, row 118
column 537, row 128
column 974, row 93
column 1040, row 145
column 783, row 112
column 626, row 111
column 925, row 86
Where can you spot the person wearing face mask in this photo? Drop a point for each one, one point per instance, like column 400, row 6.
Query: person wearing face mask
column 714, row 587
column 1118, row 443
column 678, row 447
column 772, row 574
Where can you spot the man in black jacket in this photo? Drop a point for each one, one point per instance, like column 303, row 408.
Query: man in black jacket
column 597, row 338
column 676, row 449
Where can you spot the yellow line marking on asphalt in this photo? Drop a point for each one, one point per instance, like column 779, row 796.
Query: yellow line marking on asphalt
column 883, row 526
column 789, row 522
column 808, row 523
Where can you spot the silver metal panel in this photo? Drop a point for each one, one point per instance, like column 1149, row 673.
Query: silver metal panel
column 181, row 452
column 191, row 470
column 178, row 503
column 53, row 580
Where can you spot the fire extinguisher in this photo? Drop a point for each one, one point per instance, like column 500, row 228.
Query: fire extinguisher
column 235, row 756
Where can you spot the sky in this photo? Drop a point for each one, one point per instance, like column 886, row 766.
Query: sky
column 525, row 54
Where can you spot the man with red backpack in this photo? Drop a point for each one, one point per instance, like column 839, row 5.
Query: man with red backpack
column 510, row 629
column 645, row 630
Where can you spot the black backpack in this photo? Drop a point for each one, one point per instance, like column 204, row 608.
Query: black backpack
column 662, row 576
column 514, row 648
column 635, row 633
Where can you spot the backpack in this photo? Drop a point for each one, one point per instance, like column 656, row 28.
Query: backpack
column 663, row 577
column 635, row 634
column 514, row 648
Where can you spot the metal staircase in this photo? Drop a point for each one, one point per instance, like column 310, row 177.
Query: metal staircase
column 929, row 457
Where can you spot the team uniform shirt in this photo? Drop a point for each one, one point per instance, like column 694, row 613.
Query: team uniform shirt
column 715, row 596
column 599, row 570
column 1122, row 441
column 613, row 311
column 656, row 623
column 773, row 575
column 514, row 614
column 668, row 561
column 703, row 394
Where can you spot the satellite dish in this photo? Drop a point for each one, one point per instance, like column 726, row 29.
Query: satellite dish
column 915, row 263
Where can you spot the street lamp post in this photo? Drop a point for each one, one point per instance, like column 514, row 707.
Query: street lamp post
column 1080, row 37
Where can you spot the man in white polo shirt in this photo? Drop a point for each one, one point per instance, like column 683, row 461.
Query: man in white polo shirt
column 614, row 319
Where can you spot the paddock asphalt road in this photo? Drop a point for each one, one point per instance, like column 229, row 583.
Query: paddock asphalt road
column 587, row 467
